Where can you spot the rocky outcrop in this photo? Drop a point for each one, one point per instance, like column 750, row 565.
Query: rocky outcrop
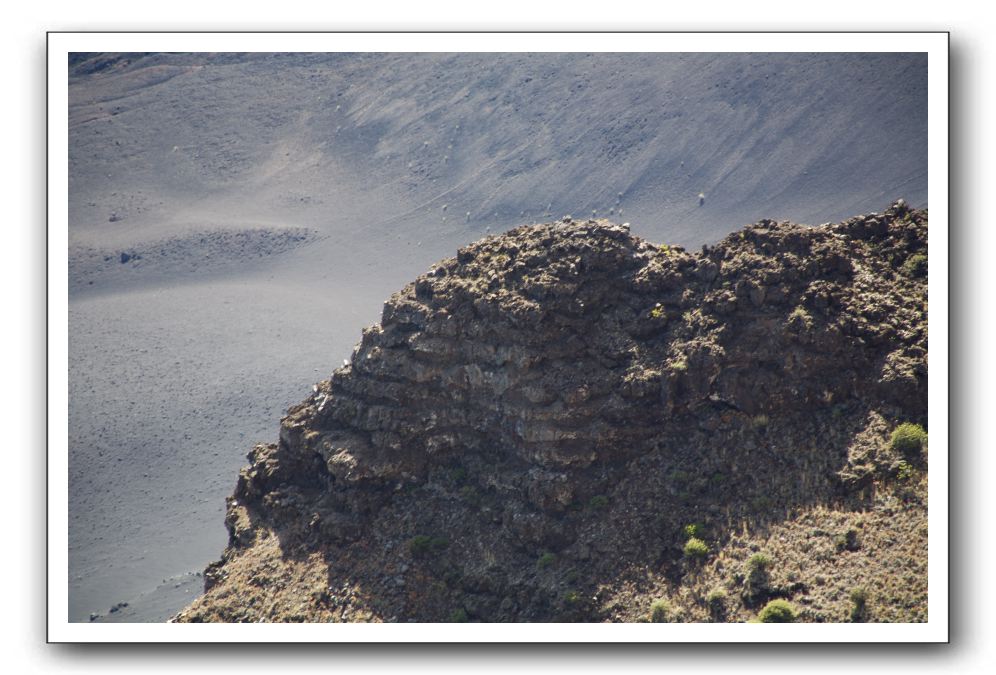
column 533, row 420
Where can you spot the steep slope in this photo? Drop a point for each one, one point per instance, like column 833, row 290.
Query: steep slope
column 505, row 138
column 534, row 425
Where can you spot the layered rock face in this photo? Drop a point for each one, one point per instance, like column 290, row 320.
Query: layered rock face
column 570, row 390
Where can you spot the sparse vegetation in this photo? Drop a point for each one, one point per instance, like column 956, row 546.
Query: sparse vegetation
column 679, row 365
column 908, row 439
column 777, row 611
column 459, row 616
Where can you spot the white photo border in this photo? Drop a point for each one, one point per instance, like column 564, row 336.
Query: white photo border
column 60, row 44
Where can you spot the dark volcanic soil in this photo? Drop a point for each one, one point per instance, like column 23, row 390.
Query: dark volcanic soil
column 539, row 427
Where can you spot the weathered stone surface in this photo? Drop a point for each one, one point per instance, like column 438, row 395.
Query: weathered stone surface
column 512, row 387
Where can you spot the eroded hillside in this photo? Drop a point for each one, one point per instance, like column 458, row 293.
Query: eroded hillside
column 566, row 422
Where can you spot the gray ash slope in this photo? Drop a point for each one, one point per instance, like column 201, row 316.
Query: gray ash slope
column 177, row 361
column 508, row 137
column 570, row 392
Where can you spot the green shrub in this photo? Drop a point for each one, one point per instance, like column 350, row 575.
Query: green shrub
column 859, row 604
column 904, row 471
column 459, row 616
column 598, row 502
column 660, row 611
column 572, row 598
column 422, row 545
column 716, row 601
column 756, row 581
column 799, row 319
column 546, row 560
column 916, row 265
column 657, row 312
column 759, row 422
column 847, row 541
column 695, row 530
column 777, row 611
column 759, row 562
column 908, row 439
column 696, row 549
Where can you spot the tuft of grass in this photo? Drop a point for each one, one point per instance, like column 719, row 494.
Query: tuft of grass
column 756, row 576
column 459, row 615
column 908, row 439
column 546, row 560
column 916, row 265
column 680, row 365
column 696, row 549
column 847, row 541
column 423, row 545
column 657, row 312
column 859, row 604
column 759, row 562
column 572, row 598
column 598, row 502
column 660, row 611
column 777, row 611
column 716, row 601
column 904, row 471
column 799, row 319
column 759, row 422
column 696, row 530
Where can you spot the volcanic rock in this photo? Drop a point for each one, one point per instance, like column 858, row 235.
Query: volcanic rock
column 527, row 430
